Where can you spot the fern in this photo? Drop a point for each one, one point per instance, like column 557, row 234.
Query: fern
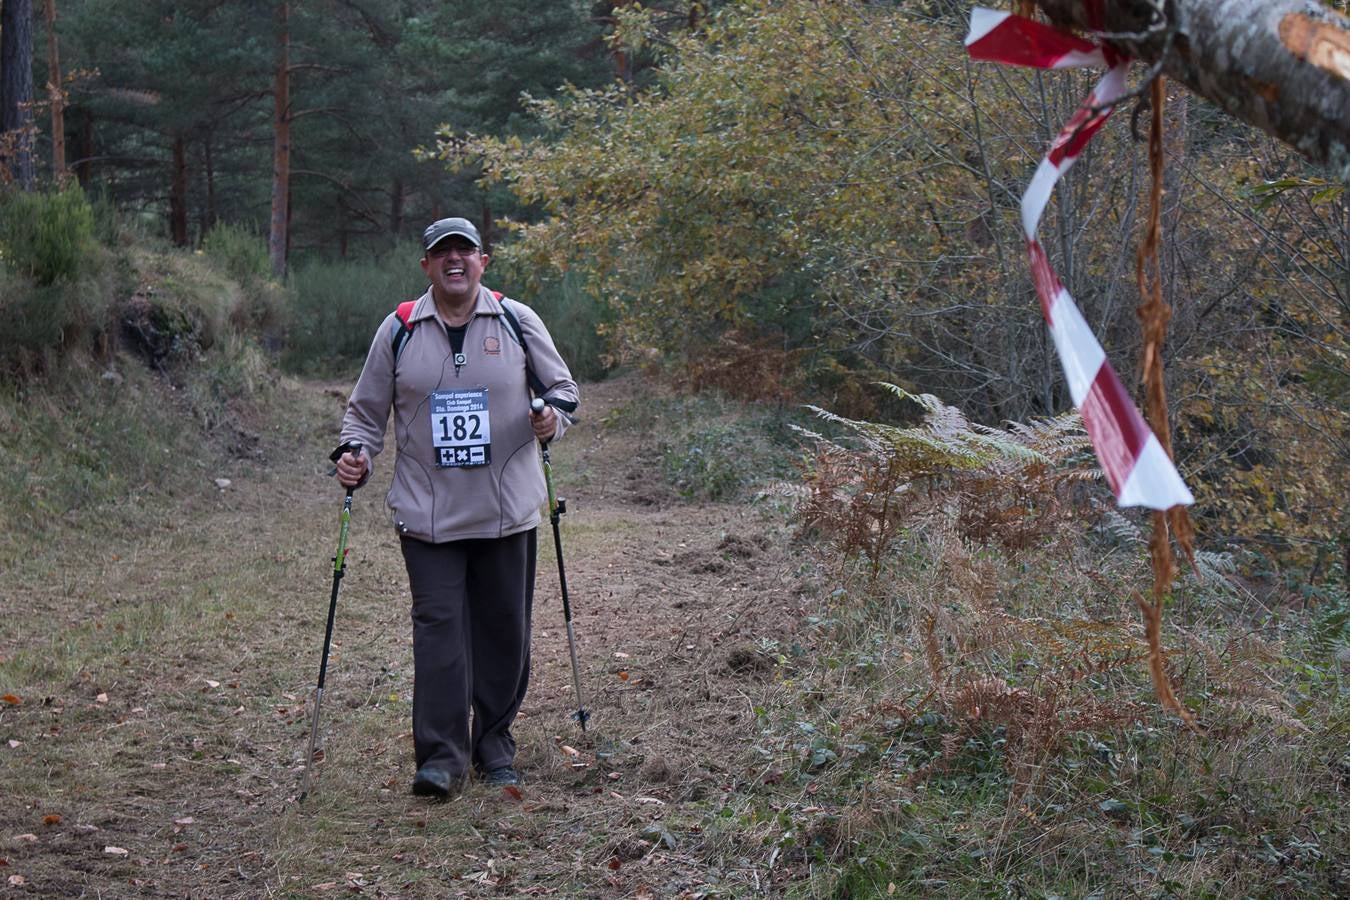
column 1009, row 486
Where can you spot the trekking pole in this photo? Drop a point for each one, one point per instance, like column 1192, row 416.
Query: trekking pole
column 556, row 507
column 339, row 569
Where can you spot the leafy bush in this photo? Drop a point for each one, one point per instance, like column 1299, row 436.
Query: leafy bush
column 576, row 319
column 45, row 236
column 56, row 282
column 238, row 251
column 336, row 305
column 710, row 449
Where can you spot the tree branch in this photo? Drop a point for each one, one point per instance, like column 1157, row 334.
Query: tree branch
column 1281, row 65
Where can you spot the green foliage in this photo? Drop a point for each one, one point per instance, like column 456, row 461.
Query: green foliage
column 45, row 236
column 57, row 285
column 575, row 318
column 239, row 252
column 709, row 449
column 337, row 305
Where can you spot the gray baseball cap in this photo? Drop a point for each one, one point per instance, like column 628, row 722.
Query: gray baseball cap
column 443, row 228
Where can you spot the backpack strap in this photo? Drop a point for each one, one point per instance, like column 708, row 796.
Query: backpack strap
column 403, row 330
column 537, row 386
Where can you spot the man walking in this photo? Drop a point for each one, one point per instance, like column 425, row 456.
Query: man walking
column 457, row 367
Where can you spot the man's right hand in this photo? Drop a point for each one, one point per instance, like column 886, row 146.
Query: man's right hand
column 351, row 469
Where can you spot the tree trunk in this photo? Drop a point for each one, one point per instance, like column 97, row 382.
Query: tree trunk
column 178, row 194
column 210, row 166
column 16, row 91
column 1281, row 65
column 58, row 98
column 278, row 236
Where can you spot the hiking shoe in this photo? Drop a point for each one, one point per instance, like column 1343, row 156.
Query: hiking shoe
column 429, row 782
column 501, row 776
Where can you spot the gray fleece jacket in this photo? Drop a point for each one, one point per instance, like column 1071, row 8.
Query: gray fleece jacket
column 467, row 463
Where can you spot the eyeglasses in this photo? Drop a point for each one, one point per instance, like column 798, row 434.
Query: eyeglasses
column 464, row 250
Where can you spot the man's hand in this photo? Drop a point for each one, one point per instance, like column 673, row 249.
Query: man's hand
column 351, row 469
column 544, row 423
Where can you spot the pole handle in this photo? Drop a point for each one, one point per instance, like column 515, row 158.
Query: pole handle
column 353, row 447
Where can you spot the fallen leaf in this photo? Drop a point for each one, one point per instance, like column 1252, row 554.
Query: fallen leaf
column 513, row 792
column 614, row 862
column 17, row 881
column 179, row 848
column 14, row 745
column 570, row 751
column 53, row 819
column 186, row 820
column 115, row 851
column 212, row 684
column 11, row 699
column 101, row 698
column 325, row 886
column 623, row 676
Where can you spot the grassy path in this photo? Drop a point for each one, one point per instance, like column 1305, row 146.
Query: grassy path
column 164, row 669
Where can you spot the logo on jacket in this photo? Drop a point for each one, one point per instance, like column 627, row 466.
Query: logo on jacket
column 492, row 346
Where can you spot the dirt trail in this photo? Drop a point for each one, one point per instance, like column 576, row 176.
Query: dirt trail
column 164, row 707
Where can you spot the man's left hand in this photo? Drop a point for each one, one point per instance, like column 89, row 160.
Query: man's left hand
column 544, row 423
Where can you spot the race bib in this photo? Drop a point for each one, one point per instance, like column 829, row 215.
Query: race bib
column 461, row 433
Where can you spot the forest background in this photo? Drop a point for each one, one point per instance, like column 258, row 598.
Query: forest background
column 781, row 203
column 826, row 189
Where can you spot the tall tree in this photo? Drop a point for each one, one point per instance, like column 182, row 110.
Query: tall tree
column 278, row 234
column 16, row 90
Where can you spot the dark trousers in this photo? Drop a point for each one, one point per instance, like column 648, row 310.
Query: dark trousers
column 471, row 647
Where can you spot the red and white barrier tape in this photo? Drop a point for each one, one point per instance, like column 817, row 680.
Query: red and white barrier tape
column 1137, row 467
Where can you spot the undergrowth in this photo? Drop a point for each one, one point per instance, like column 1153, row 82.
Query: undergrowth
column 709, row 448
column 970, row 713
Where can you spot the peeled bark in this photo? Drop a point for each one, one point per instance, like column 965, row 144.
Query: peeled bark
column 278, row 235
column 1281, row 65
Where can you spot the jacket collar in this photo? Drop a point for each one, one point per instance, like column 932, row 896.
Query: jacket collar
column 485, row 305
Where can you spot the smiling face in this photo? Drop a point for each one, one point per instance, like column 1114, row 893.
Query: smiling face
column 455, row 267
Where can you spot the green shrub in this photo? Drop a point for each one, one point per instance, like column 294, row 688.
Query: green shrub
column 239, row 252
column 335, row 307
column 576, row 319
column 45, row 236
column 711, row 449
column 56, row 282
